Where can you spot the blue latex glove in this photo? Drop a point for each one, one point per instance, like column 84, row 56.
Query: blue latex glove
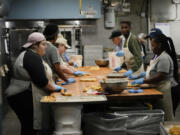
column 135, row 91
column 117, row 69
column 58, row 88
column 78, row 73
column 128, row 73
column 58, row 80
column 75, row 64
column 120, row 53
column 140, row 91
column 133, row 77
column 70, row 80
column 66, row 57
column 138, row 81
column 142, row 74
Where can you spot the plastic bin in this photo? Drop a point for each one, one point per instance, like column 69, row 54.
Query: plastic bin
column 67, row 133
column 68, row 118
column 144, row 122
column 104, row 124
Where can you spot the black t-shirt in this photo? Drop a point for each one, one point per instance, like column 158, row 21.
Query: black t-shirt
column 33, row 63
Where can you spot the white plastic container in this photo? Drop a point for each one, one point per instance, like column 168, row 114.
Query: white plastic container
column 68, row 133
column 77, row 58
column 67, row 119
column 115, row 61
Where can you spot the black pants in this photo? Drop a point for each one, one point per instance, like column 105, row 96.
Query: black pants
column 175, row 93
column 22, row 104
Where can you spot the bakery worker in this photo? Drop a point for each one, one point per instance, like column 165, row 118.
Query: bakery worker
column 131, row 52
column 61, row 44
column 32, row 79
column 162, row 71
column 52, row 57
column 117, row 39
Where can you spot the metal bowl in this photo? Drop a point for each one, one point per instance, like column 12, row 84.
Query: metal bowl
column 114, row 86
column 102, row 62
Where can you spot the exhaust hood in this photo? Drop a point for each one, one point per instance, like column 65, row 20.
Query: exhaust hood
column 54, row 9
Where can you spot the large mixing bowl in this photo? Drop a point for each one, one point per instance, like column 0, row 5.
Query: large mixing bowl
column 102, row 62
column 114, row 86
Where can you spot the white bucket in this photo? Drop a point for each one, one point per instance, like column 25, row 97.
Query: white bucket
column 115, row 61
column 67, row 118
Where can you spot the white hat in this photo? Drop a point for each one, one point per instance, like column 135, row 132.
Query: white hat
column 62, row 41
column 33, row 38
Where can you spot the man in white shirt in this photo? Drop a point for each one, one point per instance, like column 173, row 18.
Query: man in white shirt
column 118, row 39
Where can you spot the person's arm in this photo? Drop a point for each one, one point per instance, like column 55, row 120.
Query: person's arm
column 55, row 58
column 160, row 76
column 37, row 73
column 135, row 49
column 67, row 70
column 59, row 71
column 50, row 87
column 162, row 69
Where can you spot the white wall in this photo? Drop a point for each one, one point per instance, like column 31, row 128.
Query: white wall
column 173, row 11
column 97, row 34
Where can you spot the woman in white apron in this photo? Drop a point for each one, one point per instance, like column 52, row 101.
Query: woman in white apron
column 162, row 72
column 31, row 74
column 131, row 51
column 62, row 45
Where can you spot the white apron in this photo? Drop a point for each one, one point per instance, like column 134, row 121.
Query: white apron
column 129, row 58
column 42, row 112
column 165, row 87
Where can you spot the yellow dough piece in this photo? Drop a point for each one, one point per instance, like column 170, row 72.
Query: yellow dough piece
column 94, row 68
column 175, row 130
column 88, row 79
column 94, row 87
column 49, row 99
column 130, row 85
column 66, row 93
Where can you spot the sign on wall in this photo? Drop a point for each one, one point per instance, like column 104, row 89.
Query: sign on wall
column 164, row 27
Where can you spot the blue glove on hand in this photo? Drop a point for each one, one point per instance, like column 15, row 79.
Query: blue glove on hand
column 142, row 74
column 128, row 73
column 66, row 57
column 138, row 81
column 117, row 69
column 120, row 53
column 59, row 80
column 75, row 64
column 70, row 80
column 133, row 77
column 58, row 88
column 135, row 91
column 78, row 73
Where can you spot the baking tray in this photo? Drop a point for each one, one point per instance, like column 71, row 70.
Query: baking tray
column 168, row 125
column 115, row 75
column 78, row 99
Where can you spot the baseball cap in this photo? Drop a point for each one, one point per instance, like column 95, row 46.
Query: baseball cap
column 33, row 38
column 63, row 41
column 51, row 30
column 154, row 32
column 115, row 33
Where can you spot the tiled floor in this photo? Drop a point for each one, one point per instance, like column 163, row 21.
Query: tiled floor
column 11, row 125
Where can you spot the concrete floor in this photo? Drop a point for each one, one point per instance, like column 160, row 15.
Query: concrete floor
column 11, row 125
